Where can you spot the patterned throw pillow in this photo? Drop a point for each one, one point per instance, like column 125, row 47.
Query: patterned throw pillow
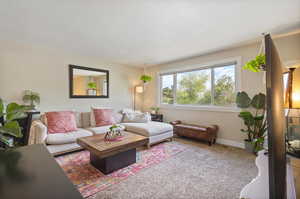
column 92, row 116
column 103, row 117
column 61, row 121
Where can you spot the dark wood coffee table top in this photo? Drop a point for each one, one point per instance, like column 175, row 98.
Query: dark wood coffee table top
column 31, row 172
column 99, row 146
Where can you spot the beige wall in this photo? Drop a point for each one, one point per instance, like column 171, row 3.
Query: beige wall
column 230, row 124
column 46, row 72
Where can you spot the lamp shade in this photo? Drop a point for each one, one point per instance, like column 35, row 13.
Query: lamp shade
column 296, row 99
column 139, row 89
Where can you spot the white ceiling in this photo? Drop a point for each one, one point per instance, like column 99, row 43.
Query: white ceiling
column 138, row 32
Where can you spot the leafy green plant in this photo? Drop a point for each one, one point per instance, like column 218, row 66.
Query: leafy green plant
column 253, row 115
column 114, row 127
column 155, row 109
column 31, row 97
column 92, row 85
column 146, row 78
column 256, row 65
column 10, row 126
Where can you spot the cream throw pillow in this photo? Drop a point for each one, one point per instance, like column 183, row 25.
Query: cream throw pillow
column 136, row 117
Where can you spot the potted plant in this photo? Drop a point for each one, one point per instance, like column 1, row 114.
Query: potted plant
column 92, row 86
column 114, row 133
column 32, row 98
column 253, row 115
column 9, row 127
column 154, row 110
column 146, row 78
column 256, row 65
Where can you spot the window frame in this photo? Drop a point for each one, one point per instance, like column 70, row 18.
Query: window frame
column 210, row 65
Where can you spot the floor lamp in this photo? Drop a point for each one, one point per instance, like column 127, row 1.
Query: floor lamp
column 292, row 103
column 137, row 90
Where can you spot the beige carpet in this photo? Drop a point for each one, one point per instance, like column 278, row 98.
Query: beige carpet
column 200, row 172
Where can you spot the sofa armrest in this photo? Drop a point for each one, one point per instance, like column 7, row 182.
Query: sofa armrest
column 175, row 122
column 38, row 133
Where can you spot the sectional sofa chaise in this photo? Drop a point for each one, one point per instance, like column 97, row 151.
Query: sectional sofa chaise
column 60, row 143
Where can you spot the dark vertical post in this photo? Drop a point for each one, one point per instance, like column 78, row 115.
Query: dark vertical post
column 275, row 118
column 290, row 87
column 2, row 120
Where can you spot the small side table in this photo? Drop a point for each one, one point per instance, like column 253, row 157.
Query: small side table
column 25, row 123
column 157, row 117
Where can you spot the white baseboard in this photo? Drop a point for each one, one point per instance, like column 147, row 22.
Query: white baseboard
column 230, row 143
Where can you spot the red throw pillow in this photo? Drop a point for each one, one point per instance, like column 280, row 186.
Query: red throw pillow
column 103, row 117
column 61, row 122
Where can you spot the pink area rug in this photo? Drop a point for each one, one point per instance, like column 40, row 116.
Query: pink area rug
column 89, row 180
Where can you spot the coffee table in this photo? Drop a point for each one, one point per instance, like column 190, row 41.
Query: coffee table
column 108, row 156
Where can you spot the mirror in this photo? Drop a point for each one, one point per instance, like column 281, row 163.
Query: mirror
column 88, row 82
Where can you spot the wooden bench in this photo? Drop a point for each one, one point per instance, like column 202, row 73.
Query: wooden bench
column 199, row 132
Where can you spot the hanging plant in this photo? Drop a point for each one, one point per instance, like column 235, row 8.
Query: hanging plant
column 146, row 78
column 256, row 65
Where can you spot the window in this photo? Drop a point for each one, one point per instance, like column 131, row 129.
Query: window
column 167, row 89
column 224, row 85
column 215, row 85
column 194, row 87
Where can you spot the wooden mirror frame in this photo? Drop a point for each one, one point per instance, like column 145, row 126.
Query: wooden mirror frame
column 71, row 95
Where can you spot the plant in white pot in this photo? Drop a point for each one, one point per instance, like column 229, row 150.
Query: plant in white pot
column 154, row 109
column 92, row 86
column 253, row 115
column 33, row 98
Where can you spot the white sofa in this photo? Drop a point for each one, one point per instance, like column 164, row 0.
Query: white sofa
column 61, row 143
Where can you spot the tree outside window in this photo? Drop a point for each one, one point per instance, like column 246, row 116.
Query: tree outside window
column 224, row 86
column 194, row 87
column 167, row 89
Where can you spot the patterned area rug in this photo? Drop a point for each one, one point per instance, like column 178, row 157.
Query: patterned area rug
column 89, row 180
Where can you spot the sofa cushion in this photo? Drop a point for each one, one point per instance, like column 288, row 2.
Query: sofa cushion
column 61, row 121
column 78, row 116
column 102, row 129
column 59, row 149
column 64, row 138
column 118, row 117
column 148, row 129
column 78, row 119
column 92, row 115
column 136, row 117
column 103, row 117
column 86, row 119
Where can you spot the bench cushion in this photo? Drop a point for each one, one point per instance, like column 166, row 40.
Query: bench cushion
column 148, row 129
column 186, row 126
column 70, row 137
